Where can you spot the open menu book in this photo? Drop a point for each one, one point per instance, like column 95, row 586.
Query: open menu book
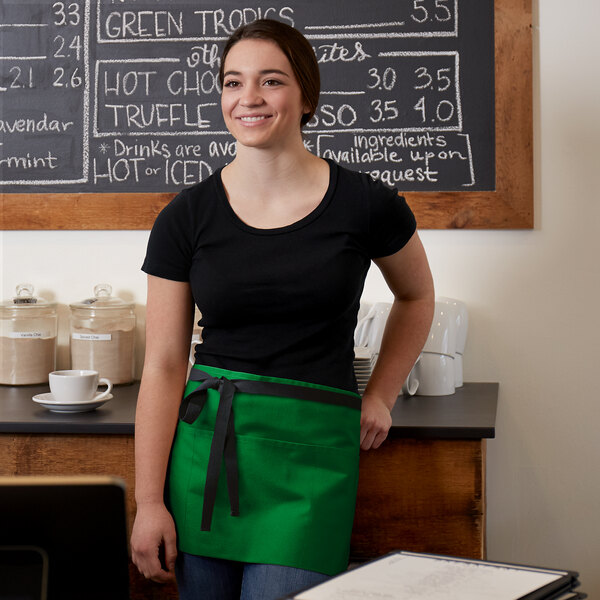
column 414, row 576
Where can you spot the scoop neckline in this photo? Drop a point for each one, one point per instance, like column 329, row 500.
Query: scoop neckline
column 303, row 222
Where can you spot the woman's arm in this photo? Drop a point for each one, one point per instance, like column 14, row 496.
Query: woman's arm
column 169, row 316
column 409, row 278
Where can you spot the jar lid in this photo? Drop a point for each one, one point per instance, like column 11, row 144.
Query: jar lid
column 25, row 299
column 102, row 299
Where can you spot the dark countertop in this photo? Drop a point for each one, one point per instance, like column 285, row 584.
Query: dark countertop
column 20, row 414
column 470, row 413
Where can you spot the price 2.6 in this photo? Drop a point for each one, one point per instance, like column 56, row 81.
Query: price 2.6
column 62, row 78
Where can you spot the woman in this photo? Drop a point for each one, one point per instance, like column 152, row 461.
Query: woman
column 259, row 472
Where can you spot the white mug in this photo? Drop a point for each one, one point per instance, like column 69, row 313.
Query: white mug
column 459, row 313
column 73, row 386
column 442, row 335
column 411, row 385
column 369, row 330
column 436, row 375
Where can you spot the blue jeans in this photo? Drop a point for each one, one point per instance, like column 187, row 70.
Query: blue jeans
column 202, row 578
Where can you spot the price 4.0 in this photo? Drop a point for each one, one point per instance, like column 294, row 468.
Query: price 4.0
column 444, row 111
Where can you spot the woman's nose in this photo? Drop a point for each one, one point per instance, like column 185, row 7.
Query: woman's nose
column 251, row 96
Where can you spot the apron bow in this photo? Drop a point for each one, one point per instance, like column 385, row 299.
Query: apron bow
column 223, row 444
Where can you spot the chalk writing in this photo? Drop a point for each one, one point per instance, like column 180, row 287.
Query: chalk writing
column 120, row 96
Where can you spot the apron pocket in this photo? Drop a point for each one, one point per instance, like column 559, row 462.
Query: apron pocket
column 296, row 502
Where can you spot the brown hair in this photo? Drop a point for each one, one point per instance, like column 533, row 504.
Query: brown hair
column 296, row 48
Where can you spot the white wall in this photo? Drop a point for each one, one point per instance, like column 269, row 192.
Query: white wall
column 532, row 296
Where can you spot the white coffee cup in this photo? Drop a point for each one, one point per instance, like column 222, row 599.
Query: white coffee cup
column 73, row 386
column 411, row 385
column 442, row 335
column 436, row 374
column 459, row 313
column 369, row 329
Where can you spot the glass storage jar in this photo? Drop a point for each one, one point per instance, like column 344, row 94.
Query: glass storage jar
column 103, row 335
column 28, row 330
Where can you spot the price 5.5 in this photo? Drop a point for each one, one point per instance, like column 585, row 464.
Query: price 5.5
column 383, row 110
column 440, row 12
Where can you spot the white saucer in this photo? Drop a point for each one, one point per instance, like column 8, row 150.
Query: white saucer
column 47, row 401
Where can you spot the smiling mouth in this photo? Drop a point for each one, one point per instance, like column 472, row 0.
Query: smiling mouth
column 254, row 119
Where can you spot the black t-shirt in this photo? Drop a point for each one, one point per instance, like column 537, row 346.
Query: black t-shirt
column 280, row 302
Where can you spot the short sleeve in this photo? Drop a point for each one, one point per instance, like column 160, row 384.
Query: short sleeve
column 169, row 251
column 391, row 221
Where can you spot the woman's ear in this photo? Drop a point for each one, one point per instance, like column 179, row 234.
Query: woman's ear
column 306, row 111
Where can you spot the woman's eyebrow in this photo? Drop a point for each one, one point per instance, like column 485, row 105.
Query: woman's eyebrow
column 262, row 72
column 278, row 71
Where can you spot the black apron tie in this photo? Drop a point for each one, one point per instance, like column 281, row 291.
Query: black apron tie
column 223, row 444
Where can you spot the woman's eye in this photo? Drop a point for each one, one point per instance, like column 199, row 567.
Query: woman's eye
column 231, row 84
column 272, row 82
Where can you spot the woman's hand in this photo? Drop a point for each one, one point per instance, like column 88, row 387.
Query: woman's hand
column 375, row 422
column 409, row 279
column 153, row 528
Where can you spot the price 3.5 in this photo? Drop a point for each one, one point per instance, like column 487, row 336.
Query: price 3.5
column 383, row 110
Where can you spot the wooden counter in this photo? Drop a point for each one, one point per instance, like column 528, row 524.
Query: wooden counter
column 423, row 490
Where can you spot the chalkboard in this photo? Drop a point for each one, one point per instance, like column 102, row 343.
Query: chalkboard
column 109, row 107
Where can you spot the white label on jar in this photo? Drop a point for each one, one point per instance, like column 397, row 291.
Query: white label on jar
column 94, row 337
column 29, row 335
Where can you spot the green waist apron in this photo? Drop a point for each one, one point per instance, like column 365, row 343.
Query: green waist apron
column 265, row 470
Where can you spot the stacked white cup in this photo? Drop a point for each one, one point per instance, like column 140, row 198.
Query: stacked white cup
column 458, row 311
column 369, row 330
column 435, row 369
column 369, row 333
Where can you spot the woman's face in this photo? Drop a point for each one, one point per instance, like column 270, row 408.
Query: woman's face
column 261, row 101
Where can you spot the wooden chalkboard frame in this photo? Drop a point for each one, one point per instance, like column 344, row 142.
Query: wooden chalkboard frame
column 510, row 206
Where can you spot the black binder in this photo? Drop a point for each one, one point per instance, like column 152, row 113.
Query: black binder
column 559, row 587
